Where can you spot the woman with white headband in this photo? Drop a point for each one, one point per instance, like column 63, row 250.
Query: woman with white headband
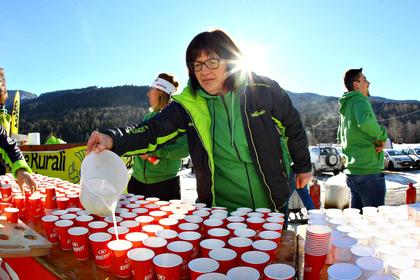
column 155, row 174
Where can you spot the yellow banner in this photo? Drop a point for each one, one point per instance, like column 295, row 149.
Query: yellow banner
column 64, row 164
column 14, row 127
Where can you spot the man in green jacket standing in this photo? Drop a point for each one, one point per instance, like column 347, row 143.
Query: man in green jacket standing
column 363, row 140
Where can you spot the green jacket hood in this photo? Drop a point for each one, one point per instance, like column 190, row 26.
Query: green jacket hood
column 343, row 101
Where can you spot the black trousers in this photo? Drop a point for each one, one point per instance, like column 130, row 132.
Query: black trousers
column 166, row 190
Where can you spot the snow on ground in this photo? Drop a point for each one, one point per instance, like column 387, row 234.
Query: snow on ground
column 396, row 183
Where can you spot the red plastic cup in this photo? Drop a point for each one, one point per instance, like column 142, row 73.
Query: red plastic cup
column 167, row 266
column 83, row 221
column 207, row 245
column 255, row 223
column 169, row 223
column 4, row 205
column 270, row 235
column 128, row 216
column 240, row 244
column 157, row 215
column 152, row 199
column 35, row 205
column 279, row 271
column 201, row 266
column 237, row 273
column 140, row 211
column 266, row 246
column 97, row 226
column 188, row 227
column 219, row 233
column 212, row 223
column 235, row 219
column 255, row 214
column 12, row 215
column 50, row 229
column 6, row 193
column 245, row 232
column 50, row 198
column 151, row 229
column 100, row 250
column 144, row 220
column 255, row 259
column 118, row 232
column 192, row 237
column 120, row 262
column 62, row 202
column 313, row 266
column 136, row 238
column 141, row 260
column 110, row 220
column 63, row 236
column 213, row 276
column 73, row 200
column 58, row 213
column 80, row 242
column 156, row 244
column 225, row 257
column 71, row 217
column 131, row 225
column 168, row 234
column 19, row 202
column 273, row 226
column 184, row 250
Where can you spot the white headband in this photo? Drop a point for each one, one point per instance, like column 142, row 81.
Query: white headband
column 164, row 85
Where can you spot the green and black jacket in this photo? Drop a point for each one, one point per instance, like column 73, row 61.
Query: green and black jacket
column 11, row 154
column 264, row 106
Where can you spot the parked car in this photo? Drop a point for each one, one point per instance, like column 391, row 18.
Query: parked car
column 414, row 154
column 325, row 158
column 395, row 159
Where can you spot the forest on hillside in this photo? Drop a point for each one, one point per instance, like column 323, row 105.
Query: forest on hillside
column 73, row 114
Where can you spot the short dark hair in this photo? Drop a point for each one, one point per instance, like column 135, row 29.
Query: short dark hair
column 350, row 77
column 213, row 42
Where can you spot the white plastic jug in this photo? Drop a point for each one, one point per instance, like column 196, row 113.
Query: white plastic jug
column 104, row 177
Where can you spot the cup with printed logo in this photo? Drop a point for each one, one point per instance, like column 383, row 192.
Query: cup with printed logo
column 200, row 266
column 279, row 271
column 184, row 250
column 19, row 202
column 6, row 193
column 80, row 242
column 12, row 215
column 102, row 254
column 141, row 261
column 167, row 266
column 120, row 262
column 63, row 236
column 50, row 229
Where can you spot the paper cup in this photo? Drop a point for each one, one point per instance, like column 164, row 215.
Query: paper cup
column 184, row 250
column 238, row 273
column 192, row 237
column 266, row 246
column 156, row 244
column 167, row 266
column 255, row 223
column 83, row 221
column 101, row 253
column 370, row 266
column 136, row 238
column 50, row 229
column 131, row 225
column 346, row 271
column 207, row 245
column 97, row 226
column 151, row 229
column 141, row 261
column 218, row 233
column 397, row 264
column 212, row 276
column 279, row 271
column 120, row 263
column 255, row 259
column 225, row 257
column 12, row 215
column 62, row 229
column 240, row 245
column 201, row 266
column 118, row 232
column 79, row 242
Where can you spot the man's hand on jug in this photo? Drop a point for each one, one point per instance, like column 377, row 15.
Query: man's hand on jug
column 99, row 142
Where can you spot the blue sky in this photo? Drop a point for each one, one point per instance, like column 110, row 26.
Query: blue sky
column 306, row 46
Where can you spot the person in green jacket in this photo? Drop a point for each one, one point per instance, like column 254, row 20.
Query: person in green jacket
column 231, row 117
column 5, row 118
column 363, row 140
column 155, row 174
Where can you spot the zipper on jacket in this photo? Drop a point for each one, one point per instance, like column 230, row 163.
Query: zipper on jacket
column 204, row 147
column 256, row 154
column 237, row 152
column 144, row 171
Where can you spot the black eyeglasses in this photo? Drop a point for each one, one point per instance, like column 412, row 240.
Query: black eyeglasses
column 212, row 63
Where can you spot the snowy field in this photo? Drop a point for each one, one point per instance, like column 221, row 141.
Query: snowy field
column 396, row 183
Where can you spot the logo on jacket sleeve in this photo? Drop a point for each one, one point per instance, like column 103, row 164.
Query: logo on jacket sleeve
column 257, row 113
